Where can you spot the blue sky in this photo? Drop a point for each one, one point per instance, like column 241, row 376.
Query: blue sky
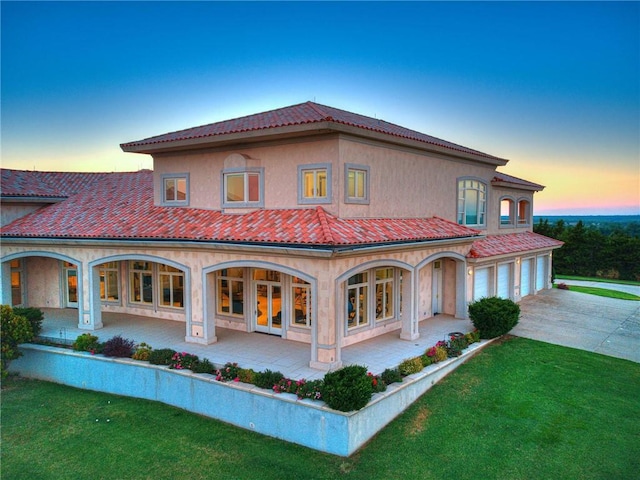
column 554, row 87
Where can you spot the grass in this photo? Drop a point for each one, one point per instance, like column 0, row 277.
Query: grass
column 520, row 409
column 596, row 279
column 603, row 292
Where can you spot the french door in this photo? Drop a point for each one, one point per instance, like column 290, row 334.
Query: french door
column 71, row 285
column 268, row 314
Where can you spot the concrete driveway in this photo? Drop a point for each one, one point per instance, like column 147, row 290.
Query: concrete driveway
column 578, row 320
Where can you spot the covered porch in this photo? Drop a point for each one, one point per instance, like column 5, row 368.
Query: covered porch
column 253, row 350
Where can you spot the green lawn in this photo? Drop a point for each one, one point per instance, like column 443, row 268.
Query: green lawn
column 602, row 292
column 519, row 410
column 595, row 279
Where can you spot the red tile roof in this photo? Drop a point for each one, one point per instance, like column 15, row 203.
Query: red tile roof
column 304, row 113
column 26, row 183
column 120, row 206
column 511, row 243
column 504, row 178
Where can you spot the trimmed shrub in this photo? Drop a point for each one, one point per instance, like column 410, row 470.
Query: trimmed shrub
column 426, row 360
column 118, row 347
column 34, row 315
column 472, row 337
column 183, row 361
column 267, row 379
column 247, row 375
column 410, row 365
column 16, row 329
column 142, row 352
column 347, row 389
column 162, row 356
column 391, row 375
column 203, row 366
column 87, row 343
column 494, row 316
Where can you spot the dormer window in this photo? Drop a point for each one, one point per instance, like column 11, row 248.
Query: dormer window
column 175, row 189
column 243, row 188
column 472, row 200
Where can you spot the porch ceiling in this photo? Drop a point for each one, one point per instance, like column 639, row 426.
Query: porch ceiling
column 254, row 350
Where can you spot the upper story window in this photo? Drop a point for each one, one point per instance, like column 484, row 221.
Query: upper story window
column 524, row 212
column 175, row 189
column 357, row 183
column 314, row 183
column 243, row 187
column 472, row 201
column 507, row 212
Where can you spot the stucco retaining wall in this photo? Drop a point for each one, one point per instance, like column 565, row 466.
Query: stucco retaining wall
column 283, row 416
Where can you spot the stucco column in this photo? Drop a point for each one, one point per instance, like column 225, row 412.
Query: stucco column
column 326, row 329
column 5, row 284
column 199, row 306
column 462, row 287
column 89, row 305
column 410, row 326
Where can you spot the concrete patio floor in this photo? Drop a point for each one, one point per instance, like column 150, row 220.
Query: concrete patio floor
column 254, row 350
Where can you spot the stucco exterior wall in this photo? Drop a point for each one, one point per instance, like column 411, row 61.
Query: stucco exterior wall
column 11, row 211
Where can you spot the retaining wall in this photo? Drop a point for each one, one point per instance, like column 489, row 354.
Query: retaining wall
column 305, row 422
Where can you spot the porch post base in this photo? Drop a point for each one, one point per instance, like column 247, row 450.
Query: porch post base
column 89, row 326
column 325, row 367
column 200, row 340
column 409, row 336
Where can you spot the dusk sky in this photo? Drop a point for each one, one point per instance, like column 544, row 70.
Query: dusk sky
column 553, row 87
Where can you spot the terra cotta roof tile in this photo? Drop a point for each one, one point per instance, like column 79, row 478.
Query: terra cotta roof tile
column 511, row 243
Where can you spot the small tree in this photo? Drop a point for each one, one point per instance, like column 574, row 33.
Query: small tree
column 15, row 330
column 494, row 316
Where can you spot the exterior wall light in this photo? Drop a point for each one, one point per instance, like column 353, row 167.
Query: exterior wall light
column 470, row 272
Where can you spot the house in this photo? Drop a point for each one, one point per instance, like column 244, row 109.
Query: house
column 307, row 222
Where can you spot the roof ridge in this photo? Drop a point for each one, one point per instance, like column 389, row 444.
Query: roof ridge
column 323, row 218
column 319, row 110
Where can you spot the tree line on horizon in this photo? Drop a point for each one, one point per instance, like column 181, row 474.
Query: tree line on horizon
column 609, row 250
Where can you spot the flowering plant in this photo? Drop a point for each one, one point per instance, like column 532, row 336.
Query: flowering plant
column 376, row 382
column 183, row 360
column 301, row 388
column 230, row 371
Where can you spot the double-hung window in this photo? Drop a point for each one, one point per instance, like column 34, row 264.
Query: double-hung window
column 472, row 199
column 171, row 282
column 243, row 188
column 231, row 291
column 314, row 183
column 109, row 287
column 357, row 183
column 175, row 189
column 141, row 282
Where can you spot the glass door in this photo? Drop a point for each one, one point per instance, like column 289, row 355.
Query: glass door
column 71, row 287
column 268, row 313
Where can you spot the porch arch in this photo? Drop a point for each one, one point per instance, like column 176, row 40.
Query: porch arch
column 209, row 289
column 5, row 293
column 94, row 282
column 461, row 280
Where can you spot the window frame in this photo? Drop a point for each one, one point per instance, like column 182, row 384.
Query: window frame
column 227, row 172
column 314, row 167
column 103, row 269
column 175, row 177
column 463, row 201
column 355, row 199
column 220, row 277
column 298, row 283
column 173, row 274
column 386, row 303
column 141, row 274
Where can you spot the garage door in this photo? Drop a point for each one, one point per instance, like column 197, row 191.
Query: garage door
column 525, row 278
column 541, row 272
column 481, row 283
column 504, row 281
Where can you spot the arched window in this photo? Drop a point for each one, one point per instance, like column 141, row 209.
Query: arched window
column 507, row 211
column 472, row 200
column 524, row 212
